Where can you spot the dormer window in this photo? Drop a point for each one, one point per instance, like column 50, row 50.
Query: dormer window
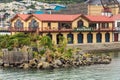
column 80, row 24
column 18, row 24
column 33, row 24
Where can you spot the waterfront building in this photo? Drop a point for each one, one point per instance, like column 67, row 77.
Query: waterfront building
column 77, row 29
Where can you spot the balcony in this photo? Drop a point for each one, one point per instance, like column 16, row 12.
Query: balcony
column 117, row 29
column 25, row 29
column 45, row 29
column 86, row 29
column 102, row 29
column 56, row 29
column 4, row 29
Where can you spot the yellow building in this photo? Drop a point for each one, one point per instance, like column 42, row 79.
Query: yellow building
column 77, row 29
column 98, row 10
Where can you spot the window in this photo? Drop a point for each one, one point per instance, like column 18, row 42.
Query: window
column 65, row 25
column 33, row 24
column 80, row 24
column 93, row 25
column 49, row 24
column 105, row 25
column 18, row 24
column 118, row 24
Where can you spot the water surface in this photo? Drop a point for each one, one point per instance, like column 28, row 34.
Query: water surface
column 94, row 72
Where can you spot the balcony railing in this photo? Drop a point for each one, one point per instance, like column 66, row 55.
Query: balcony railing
column 4, row 29
column 56, row 29
column 29, row 29
column 22, row 29
column 84, row 29
column 92, row 29
column 117, row 29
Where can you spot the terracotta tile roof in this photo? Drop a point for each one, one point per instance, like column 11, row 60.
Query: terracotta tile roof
column 99, row 18
column 23, row 16
column 116, row 17
column 56, row 17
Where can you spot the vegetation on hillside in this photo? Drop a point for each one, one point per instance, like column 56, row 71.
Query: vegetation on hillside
column 62, row 1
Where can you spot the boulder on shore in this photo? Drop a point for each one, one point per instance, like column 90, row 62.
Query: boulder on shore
column 33, row 63
column 46, row 65
column 6, row 65
column 58, row 62
column 39, row 66
column 24, row 66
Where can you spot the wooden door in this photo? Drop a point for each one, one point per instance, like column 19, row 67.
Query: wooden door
column 115, row 37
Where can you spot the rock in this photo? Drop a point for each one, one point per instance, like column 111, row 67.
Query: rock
column 39, row 66
column 1, row 63
column 6, row 65
column 26, row 66
column 43, row 59
column 58, row 62
column 54, row 66
column 109, row 58
column 46, row 65
column 62, row 61
column 11, row 66
column 21, row 66
column 77, row 63
column 106, row 61
column 80, row 62
column 33, row 63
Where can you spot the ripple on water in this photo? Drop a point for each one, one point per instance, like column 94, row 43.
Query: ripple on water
column 94, row 72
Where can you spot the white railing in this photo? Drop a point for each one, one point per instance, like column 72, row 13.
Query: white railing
column 117, row 28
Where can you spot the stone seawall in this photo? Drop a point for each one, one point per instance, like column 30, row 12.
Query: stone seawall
column 114, row 46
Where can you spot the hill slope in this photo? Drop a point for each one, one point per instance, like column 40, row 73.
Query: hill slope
column 79, row 8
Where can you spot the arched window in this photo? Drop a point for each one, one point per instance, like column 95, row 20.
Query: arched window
column 59, row 37
column 99, row 37
column 80, row 38
column 70, row 38
column 18, row 24
column 33, row 24
column 80, row 24
column 107, row 37
column 49, row 35
column 89, row 38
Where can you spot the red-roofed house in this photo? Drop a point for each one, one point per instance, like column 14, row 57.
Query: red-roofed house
column 76, row 28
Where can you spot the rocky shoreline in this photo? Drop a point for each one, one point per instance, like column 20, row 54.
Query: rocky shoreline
column 77, row 61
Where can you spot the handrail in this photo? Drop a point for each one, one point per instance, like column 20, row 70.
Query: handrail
column 56, row 29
